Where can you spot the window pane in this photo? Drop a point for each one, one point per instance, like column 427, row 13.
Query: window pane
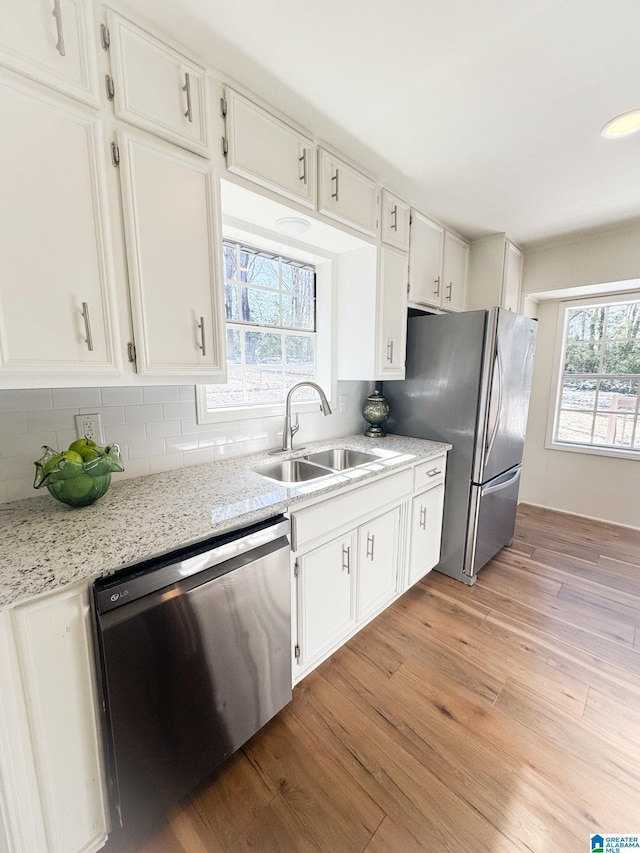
column 231, row 302
column 579, row 394
column 617, row 394
column 582, row 358
column 613, row 430
column 229, row 394
column 262, row 348
column 230, row 262
column 298, row 280
column 298, row 313
column 300, row 350
column 623, row 321
column 622, row 357
column 234, row 350
column 585, row 324
column 260, row 270
column 575, row 427
column 260, row 306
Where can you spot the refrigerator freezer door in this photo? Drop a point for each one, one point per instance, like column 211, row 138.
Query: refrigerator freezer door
column 491, row 521
column 507, row 369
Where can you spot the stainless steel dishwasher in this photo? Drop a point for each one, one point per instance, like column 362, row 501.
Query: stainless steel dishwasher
column 195, row 656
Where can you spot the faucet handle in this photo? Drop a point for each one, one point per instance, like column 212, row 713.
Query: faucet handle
column 295, row 427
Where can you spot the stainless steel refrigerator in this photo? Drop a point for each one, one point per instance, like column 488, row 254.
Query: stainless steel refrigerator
column 467, row 382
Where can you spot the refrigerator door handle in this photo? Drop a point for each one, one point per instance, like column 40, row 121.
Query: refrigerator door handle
column 496, row 425
column 502, row 483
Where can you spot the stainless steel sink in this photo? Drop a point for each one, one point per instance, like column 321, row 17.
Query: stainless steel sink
column 341, row 458
column 292, row 471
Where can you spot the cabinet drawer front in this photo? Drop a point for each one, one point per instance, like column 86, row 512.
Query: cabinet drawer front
column 429, row 473
column 344, row 510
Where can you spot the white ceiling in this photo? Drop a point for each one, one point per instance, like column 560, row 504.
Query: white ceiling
column 484, row 113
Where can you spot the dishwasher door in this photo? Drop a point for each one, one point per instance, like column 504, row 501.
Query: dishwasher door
column 195, row 657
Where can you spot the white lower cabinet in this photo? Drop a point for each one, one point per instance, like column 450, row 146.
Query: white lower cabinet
column 377, row 572
column 426, row 532
column 51, row 775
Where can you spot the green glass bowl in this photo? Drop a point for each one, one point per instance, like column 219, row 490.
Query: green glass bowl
column 75, row 483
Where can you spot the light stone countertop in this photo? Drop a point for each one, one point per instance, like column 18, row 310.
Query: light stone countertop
column 47, row 544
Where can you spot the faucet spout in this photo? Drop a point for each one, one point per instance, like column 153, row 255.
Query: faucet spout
column 290, row 429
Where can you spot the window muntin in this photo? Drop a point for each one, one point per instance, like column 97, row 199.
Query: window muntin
column 597, row 404
column 270, row 309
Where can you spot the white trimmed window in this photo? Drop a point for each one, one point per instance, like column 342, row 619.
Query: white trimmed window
column 597, row 397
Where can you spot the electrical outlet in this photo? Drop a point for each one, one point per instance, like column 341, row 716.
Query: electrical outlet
column 90, row 426
column 343, row 402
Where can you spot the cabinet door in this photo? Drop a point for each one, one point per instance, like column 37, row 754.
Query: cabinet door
column 265, row 150
column 378, row 542
column 394, row 229
column 53, row 639
column 326, row 607
column 426, row 247
column 454, row 275
column 157, row 88
column 346, row 194
column 54, row 240
column 172, row 228
column 512, row 277
column 426, row 532
column 51, row 41
column 392, row 314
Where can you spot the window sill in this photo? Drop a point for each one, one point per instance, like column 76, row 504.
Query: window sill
column 594, row 451
column 241, row 413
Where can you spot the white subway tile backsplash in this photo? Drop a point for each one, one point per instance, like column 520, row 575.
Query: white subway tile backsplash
column 122, row 396
column 156, row 428
column 25, row 400
column 69, row 398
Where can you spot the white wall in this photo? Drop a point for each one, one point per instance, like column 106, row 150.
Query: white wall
column 155, row 427
column 595, row 486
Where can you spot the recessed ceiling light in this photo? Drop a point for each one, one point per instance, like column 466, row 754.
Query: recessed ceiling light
column 622, row 125
column 293, row 226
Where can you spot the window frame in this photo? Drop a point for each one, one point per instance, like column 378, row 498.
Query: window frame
column 325, row 267
column 552, row 442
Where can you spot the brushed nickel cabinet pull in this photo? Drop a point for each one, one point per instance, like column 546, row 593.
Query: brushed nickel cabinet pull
column 436, row 292
column 346, row 558
column 336, row 193
column 303, row 160
column 57, row 14
column 390, row 351
column 394, row 217
column 87, row 326
column 371, row 541
column 423, row 517
column 187, row 88
column 434, row 472
column 202, row 345
column 449, row 288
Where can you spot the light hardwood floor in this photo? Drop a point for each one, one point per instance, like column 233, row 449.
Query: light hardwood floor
column 501, row 717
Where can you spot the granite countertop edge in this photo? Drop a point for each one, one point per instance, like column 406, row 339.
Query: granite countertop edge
column 50, row 545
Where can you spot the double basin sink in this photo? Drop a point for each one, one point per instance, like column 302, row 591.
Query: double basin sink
column 315, row 465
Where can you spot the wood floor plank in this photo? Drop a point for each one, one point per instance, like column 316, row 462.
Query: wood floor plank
column 276, row 830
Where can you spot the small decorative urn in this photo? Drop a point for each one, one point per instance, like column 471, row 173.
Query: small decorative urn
column 375, row 411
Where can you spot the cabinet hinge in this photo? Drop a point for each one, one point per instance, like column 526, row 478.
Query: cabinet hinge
column 115, row 154
column 131, row 352
column 223, row 107
column 296, row 568
column 225, row 146
column 108, row 79
column 105, row 37
column 296, row 651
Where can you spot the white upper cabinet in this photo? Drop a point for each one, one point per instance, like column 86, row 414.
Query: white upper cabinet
column 346, row 194
column 391, row 339
column 55, row 306
column 454, row 272
column 495, row 273
column 172, row 227
column 437, row 265
column 426, row 249
column 260, row 147
column 51, row 41
column 157, row 88
column 394, row 229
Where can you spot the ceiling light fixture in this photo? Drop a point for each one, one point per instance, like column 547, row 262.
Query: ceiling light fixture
column 623, row 125
column 293, row 226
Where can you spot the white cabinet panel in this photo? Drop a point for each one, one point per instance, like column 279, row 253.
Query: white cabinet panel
column 266, row 150
column 346, row 194
column 426, row 248
column 51, row 41
column 326, row 603
column 495, row 273
column 378, row 551
column 512, row 278
column 392, row 314
column 157, row 88
column 394, row 229
column 426, row 532
column 55, row 288
column 454, row 272
column 171, row 213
